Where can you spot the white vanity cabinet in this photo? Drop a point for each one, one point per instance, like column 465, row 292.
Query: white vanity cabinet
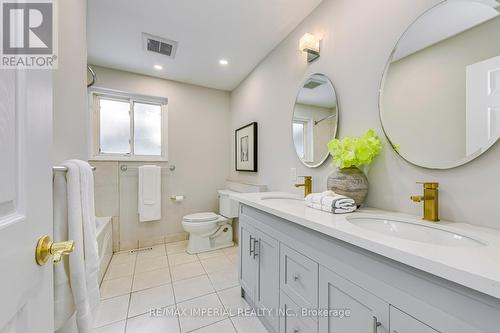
column 259, row 271
column 285, row 265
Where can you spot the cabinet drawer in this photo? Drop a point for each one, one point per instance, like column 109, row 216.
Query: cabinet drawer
column 291, row 319
column 299, row 277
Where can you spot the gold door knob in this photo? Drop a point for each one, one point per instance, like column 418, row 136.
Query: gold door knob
column 46, row 248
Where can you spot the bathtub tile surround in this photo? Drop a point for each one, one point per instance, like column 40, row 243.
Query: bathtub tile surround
column 115, row 196
column 209, row 279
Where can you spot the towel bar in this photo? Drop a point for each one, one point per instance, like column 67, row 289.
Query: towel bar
column 125, row 167
column 65, row 169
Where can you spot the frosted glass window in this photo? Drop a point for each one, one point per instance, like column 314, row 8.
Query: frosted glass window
column 147, row 129
column 115, row 126
column 299, row 138
column 130, row 127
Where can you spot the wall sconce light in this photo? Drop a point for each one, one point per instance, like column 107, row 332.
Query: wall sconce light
column 310, row 44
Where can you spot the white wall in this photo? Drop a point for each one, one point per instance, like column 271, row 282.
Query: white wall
column 198, row 123
column 358, row 37
column 70, row 83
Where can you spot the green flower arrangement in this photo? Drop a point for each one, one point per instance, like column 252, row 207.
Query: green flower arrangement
column 355, row 152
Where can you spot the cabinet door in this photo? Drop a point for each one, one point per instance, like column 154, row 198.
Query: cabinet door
column 350, row 308
column 267, row 287
column 404, row 323
column 248, row 267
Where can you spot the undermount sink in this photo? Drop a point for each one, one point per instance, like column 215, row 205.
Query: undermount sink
column 415, row 231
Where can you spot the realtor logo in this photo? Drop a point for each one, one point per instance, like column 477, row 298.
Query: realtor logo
column 28, row 34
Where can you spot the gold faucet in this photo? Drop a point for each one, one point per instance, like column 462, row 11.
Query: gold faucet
column 431, row 201
column 307, row 185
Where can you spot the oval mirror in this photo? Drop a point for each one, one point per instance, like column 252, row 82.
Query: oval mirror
column 315, row 120
column 440, row 96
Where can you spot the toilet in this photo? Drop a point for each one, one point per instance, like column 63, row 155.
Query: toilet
column 209, row 231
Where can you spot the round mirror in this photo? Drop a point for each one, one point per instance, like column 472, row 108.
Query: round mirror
column 440, row 96
column 315, row 120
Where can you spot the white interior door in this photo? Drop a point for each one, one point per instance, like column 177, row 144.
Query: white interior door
column 26, row 295
column 483, row 105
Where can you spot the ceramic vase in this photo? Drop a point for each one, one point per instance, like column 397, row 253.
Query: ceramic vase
column 350, row 182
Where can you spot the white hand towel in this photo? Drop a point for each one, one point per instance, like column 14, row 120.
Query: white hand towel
column 338, row 201
column 343, row 211
column 82, row 265
column 91, row 251
column 317, row 198
column 314, row 198
column 332, row 203
column 319, row 207
column 64, row 306
column 149, row 193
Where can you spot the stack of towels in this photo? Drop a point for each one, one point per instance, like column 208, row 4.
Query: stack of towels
column 332, row 202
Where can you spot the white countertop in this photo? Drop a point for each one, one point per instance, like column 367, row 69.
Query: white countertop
column 477, row 268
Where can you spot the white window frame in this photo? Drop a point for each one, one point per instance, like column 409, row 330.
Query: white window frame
column 308, row 137
column 95, row 154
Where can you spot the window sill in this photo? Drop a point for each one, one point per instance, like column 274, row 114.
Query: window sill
column 127, row 159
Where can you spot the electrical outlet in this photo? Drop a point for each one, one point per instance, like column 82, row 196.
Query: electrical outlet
column 293, row 174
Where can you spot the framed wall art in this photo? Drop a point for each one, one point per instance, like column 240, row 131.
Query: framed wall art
column 246, row 148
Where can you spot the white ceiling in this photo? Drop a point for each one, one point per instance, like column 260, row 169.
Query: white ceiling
column 243, row 32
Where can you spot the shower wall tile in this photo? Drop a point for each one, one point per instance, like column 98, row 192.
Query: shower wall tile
column 106, row 183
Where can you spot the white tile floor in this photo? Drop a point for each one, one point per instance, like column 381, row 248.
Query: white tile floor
column 168, row 277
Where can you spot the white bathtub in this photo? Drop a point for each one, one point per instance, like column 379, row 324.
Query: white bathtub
column 104, row 232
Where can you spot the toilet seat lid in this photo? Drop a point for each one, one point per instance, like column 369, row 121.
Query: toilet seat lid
column 201, row 217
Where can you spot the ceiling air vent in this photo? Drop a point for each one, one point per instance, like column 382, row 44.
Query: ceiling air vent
column 313, row 83
column 159, row 45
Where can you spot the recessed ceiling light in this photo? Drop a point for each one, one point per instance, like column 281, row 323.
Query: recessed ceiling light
column 223, row 62
column 158, row 67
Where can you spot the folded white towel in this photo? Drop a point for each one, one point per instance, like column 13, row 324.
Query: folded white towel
column 315, row 206
column 331, row 202
column 314, row 198
column 319, row 207
column 339, row 201
column 149, row 193
column 317, row 198
column 343, row 211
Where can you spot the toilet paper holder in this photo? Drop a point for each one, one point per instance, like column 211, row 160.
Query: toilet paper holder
column 177, row 198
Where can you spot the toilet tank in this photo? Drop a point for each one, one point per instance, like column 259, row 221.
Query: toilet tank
column 227, row 207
